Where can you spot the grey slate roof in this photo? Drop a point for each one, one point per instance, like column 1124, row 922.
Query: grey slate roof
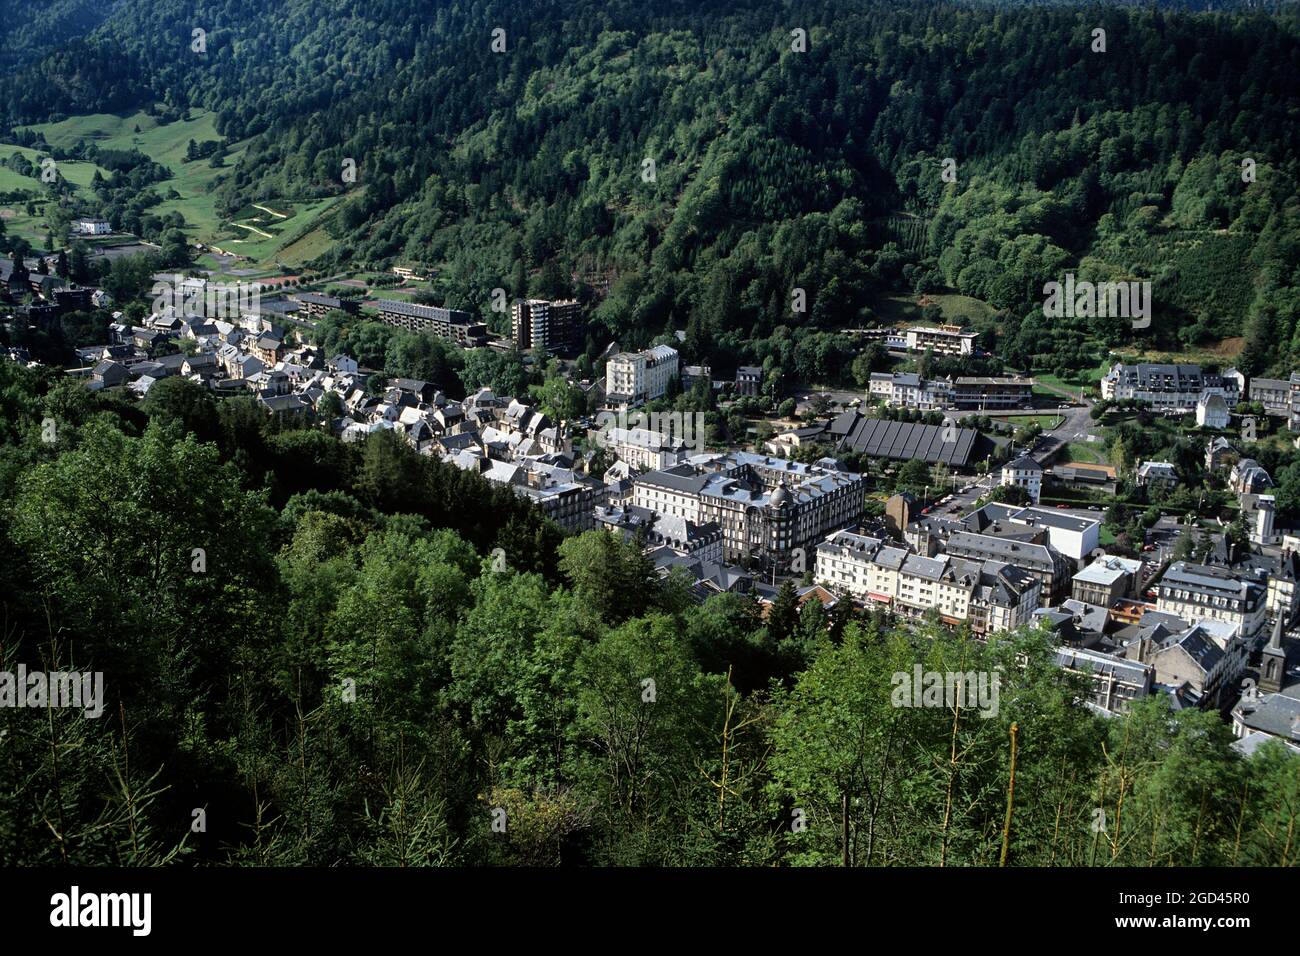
column 907, row 440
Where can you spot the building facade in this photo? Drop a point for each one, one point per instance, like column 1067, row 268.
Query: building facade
column 635, row 377
column 552, row 326
column 988, row 595
column 1197, row 592
column 771, row 509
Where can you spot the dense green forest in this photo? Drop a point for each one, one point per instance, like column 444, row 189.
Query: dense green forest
column 323, row 653
column 773, row 168
column 378, row 659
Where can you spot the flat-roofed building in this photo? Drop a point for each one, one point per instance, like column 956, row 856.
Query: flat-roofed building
column 453, row 325
column 942, row 340
column 1075, row 536
column 552, row 326
column 992, row 393
column 316, row 305
column 1108, row 579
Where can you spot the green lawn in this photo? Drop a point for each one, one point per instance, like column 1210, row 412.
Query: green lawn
column 1048, row 422
column 283, row 231
column 957, row 310
column 1085, row 453
column 74, row 171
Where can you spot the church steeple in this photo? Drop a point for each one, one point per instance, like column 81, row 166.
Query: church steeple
column 1272, row 668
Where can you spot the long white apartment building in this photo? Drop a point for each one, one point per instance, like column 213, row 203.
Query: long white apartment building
column 990, row 596
column 635, row 377
column 1170, row 387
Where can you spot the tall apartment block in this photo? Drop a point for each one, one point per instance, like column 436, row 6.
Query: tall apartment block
column 547, row 325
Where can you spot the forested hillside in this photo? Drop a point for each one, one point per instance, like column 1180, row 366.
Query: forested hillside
column 773, row 168
column 380, row 659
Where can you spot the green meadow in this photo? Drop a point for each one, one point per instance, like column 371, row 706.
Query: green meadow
column 273, row 231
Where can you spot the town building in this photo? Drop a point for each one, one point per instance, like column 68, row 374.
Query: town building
column 1116, row 681
column 550, row 326
column 635, row 377
column 1249, row 477
column 909, row 390
column 1205, row 658
column 1156, row 475
column 942, row 340
column 990, row 596
column 768, row 508
column 682, row 536
column 1024, row 472
column 1212, row 411
column 1273, row 393
column 1168, row 387
column 88, row 226
column 642, row 448
column 1049, row 566
column 1073, row 535
column 749, row 380
column 990, row 394
column 1199, row 592
column 316, row 305
column 453, row 325
column 1218, row 451
column 1107, row 580
column 904, row 441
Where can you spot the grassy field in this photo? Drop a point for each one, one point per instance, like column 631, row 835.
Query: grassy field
column 957, row 310
column 74, row 171
column 35, row 229
column 1223, row 353
column 1048, row 422
column 275, row 230
column 1088, row 379
column 1085, row 453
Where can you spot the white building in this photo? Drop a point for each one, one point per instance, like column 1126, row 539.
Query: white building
column 1025, row 473
column 1075, row 536
column 909, row 390
column 1212, row 411
column 644, row 449
column 91, row 227
column 990, row 596
column 1169, row 387
column 1198, row 592
column 635, row 377
column 944, row 340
